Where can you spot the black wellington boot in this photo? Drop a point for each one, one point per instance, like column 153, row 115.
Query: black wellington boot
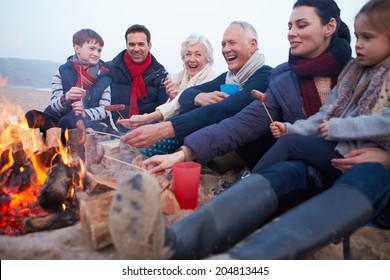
column 326, row 218
column 138, row 230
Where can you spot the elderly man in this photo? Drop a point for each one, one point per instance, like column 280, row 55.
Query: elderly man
column 137, row 77
column 205, row 104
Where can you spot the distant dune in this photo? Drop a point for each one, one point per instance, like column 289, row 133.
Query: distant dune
column 27, row 72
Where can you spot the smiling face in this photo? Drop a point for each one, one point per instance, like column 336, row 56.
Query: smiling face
column 308, row 37
column 194, row 58
column 89, row 52
column 137, row 46
column 237, row 48
column 372, row 43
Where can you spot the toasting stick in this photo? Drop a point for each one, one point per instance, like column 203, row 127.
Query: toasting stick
column 262, row 98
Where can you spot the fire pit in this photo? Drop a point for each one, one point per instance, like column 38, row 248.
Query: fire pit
column 37, row 180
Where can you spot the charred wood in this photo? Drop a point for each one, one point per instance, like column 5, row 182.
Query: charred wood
column 51, row 221
column 54, row 191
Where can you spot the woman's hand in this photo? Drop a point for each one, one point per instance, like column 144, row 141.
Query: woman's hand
column 206, row 98
column 369, row 154
column 134, row 121
column 159, row 163
column 172, row 89
column 278, row 129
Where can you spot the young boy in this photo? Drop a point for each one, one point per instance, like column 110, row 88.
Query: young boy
column 80, row 88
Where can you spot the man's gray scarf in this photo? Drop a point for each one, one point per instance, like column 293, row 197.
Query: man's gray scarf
column 255, row 62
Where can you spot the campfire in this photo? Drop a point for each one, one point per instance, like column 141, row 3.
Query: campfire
column 38, row 179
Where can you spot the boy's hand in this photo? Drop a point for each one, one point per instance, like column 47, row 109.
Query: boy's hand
column 278, row 129
column 75, row 93
column 78, row 108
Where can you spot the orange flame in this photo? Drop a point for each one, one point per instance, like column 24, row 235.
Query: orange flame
column 16, row 135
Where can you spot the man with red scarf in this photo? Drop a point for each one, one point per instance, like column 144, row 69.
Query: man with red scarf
column 137, row 77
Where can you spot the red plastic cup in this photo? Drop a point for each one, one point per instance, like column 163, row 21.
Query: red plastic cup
column 186, row 176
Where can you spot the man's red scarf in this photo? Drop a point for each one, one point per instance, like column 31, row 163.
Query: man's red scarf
column 138, row 89
column 84, row 80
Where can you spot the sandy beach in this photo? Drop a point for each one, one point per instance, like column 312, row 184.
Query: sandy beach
column 19, row 100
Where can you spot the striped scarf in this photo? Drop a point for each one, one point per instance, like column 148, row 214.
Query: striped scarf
column 85, row 78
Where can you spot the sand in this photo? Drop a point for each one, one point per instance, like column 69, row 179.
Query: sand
column 16, row 100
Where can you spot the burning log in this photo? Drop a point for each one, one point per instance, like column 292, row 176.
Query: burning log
column 54, row 191
column 51, row 221
column 18, row 172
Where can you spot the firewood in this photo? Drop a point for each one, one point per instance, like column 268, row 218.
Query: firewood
column 53, row 137
column 169, row 203
column 54, row 191
column 31, row 139
column 51, row 221
column 99, row 184
column 94, row 213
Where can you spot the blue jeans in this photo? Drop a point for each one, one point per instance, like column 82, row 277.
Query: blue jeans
column 314, row 150
column 290, row 182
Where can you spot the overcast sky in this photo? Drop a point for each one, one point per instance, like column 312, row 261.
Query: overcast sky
column 43, row 29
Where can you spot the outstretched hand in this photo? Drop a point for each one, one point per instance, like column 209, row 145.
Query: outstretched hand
column 206, row 98
column 134, row 121
column 159, row 163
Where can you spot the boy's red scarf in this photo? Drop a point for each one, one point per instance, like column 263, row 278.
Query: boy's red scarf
column 84, row 80
column 138, row 89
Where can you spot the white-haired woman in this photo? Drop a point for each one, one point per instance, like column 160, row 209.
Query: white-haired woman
column 197, row 56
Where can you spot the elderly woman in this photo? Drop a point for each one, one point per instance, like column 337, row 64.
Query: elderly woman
column 197, row 56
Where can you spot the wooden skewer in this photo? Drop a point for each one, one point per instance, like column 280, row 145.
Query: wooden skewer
column 126, row 163
column 120, row 114
column 269, row 115
column 81, row 77
column 105, row 133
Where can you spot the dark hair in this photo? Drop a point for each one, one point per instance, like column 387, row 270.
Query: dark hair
column 326, row 10
column 139, row 28
column 87, row 35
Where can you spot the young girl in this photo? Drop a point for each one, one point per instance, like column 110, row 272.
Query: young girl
column 357, row 114
column 80, row 88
